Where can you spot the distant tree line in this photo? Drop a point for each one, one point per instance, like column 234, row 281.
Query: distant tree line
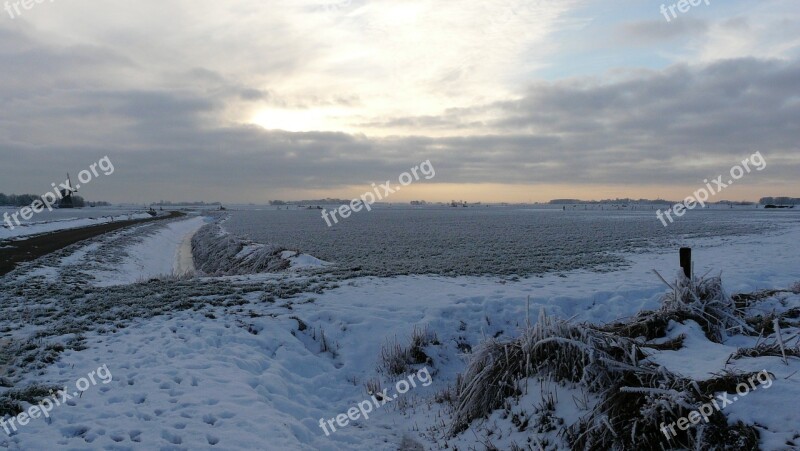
column 779, row 201
column 24, row 200
column 17, row 200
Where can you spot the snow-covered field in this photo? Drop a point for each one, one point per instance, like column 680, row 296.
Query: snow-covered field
column 255, row 361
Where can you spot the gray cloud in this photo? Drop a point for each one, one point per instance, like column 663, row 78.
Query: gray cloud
column 657, row 31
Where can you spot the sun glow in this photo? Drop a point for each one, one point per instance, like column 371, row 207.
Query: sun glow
column 299, row 120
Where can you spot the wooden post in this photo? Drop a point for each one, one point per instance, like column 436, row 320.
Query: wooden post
column 686, row 261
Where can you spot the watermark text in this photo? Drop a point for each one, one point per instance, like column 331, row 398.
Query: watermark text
column 379, row 192
column 378, row 400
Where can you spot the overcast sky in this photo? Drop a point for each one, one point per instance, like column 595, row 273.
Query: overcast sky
column 252, row 100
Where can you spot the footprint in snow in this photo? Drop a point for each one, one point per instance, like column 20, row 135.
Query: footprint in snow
column 117, row 436
column 209, row 419
column 175, row 439
column 74, row 431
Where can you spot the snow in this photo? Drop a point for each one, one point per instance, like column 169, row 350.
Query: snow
column 184, row 262
column 773, row 407
column 252, row 374
column 161, row 254
column 700, row 358
column 247, row 251
column 302, row 261
column 36, row 228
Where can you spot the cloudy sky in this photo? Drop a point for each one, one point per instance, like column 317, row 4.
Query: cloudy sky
column 511, row 100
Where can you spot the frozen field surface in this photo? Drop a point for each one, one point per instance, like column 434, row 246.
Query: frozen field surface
column 495, row 241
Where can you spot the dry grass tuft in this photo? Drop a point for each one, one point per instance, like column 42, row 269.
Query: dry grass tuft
column 705, row 300
column 552, row 348
column 636, row 396
column 776, row 349
column 397, row 360
column 673, row 344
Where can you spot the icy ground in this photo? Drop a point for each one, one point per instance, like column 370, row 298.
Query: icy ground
column 255, row 361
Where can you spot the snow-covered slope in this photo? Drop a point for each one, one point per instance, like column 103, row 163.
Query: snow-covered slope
column 217, row 252
column 158, row 254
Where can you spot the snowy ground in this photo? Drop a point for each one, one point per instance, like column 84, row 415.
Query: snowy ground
column 254, row 362
column 27, row 229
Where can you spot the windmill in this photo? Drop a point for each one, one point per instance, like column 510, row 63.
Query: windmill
column 66, row 195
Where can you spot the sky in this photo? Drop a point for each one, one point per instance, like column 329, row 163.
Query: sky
column 510, row 100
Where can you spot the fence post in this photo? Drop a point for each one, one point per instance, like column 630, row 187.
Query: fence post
column 686, row 261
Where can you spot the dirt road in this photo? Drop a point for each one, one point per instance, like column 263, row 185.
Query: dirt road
column 12, row 253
